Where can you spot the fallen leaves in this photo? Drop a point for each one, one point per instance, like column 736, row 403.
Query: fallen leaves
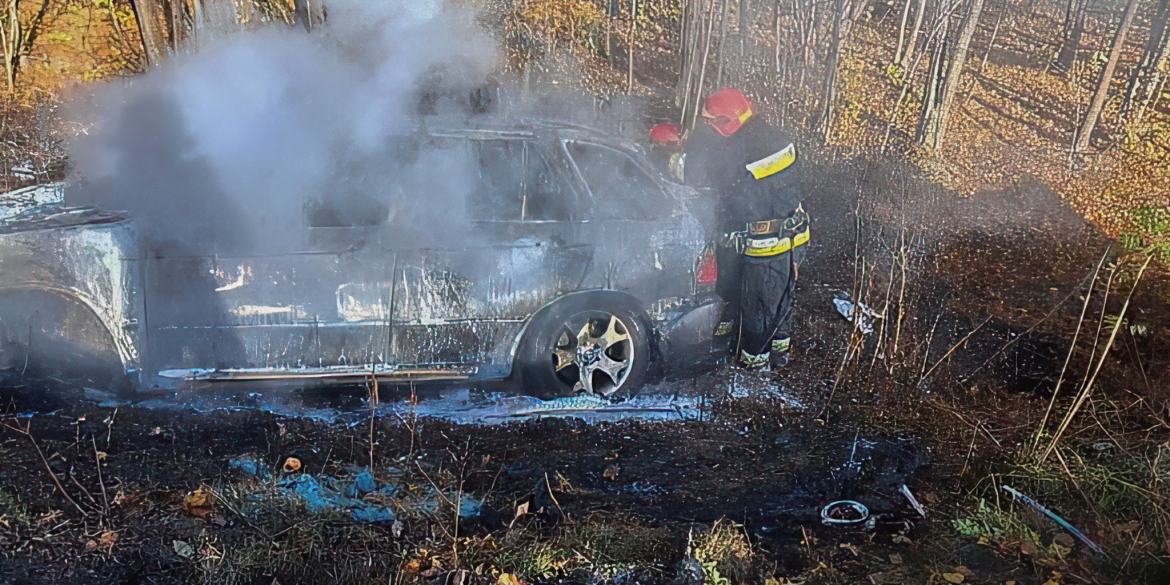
column 183, row 549
column 291, row 465
column 955, row 578
column 199, row 503
column 105, row 543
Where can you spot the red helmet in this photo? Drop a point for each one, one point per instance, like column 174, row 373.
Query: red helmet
column 726, row 110
column 667, row 134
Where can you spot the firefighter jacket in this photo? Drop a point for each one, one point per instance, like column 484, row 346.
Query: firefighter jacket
column 755, row 173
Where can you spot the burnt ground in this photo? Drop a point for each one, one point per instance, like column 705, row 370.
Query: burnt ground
column 989, row 306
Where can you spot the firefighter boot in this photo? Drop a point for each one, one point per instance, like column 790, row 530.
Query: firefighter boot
column 750, row 361
column 779, row 357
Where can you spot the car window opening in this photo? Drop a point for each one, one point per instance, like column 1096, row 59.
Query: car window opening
column 517, row 183
column 621, row 188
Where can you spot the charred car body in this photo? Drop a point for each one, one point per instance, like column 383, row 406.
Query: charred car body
column 584, row 270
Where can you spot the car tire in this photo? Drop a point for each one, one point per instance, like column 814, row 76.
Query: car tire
column 607, row 335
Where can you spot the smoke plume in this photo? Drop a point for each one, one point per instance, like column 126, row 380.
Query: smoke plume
column 231, row 147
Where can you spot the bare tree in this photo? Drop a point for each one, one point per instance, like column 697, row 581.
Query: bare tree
column 633, row 45
column 829, row 91
column 934, row 79
column 1071, row 38
column 1093, row 115
column 902, row 32
column 937, row 129
column 17, row 37
column 148, row 13
column 1145, row 74
column 912, row 41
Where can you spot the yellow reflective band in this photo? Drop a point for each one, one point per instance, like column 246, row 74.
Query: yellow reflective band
column 800, row 239
column 766, row 167
column 766, row 247
column 745, row 115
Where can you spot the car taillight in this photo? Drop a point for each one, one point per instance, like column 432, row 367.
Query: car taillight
column 706, row 269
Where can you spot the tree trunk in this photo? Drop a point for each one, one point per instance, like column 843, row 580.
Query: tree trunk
column 954, row 75
column 220, row 17
column 633, row 44
column 10, row 35
column 303, row 15
column 776, row 33
column 154, row 42
column 1151, row 55
column 829, row 92
column 703, row 68
column 902, row 32
column 746, row 19
column 930, row 94
column 855, row 12
column 912, row 41
column 1072, row 40
column 723, row 13
column 1094, row 113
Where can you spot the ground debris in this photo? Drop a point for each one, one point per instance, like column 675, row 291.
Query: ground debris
column 199, row 503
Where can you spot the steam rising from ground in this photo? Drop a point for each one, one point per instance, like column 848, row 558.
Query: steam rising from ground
column 225, row 149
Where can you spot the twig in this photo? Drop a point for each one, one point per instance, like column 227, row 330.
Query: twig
column 110, row 426
column 372, row 386
column 97, row 461
column 56, row 481
column 1088, row 389
column 951, row 351
column 1017, row 338
column 967, row 460
column 548, row 485
column 1071, row 348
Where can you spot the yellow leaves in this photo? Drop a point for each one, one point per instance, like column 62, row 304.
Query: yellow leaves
column 955, row 578
column 508, row 579
column 105, row 543
column 199, row 503
column 555, row 17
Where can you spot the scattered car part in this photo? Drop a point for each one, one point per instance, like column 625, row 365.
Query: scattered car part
column 833, row 514
column 1061, row 521
column 913, row 501
column 865, row 317
column 291, row 465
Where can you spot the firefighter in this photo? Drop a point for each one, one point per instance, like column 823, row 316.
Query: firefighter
column 666, row 150
column 755, row 173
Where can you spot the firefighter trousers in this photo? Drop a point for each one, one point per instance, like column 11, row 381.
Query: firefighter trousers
column 760, row 292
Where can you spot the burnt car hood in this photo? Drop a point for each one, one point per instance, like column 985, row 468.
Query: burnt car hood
column 43, row 207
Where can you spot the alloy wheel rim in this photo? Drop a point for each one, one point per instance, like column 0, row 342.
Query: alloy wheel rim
column 593, row 353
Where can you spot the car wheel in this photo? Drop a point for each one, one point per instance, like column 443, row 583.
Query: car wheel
column 585, row 344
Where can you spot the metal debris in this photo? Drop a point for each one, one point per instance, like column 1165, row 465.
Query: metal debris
column 866, row 316
column 1061, row 521
column 913, row 501
column 832, row 514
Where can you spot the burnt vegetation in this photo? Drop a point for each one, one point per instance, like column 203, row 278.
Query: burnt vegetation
column 989, row 177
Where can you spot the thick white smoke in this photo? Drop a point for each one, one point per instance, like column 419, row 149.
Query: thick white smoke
column 224, row 148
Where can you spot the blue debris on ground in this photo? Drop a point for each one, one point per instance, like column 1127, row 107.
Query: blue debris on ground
column 329, row 494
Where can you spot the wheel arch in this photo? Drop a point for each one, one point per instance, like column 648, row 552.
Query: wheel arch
column 71, row 319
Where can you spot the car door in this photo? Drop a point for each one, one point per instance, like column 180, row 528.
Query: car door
column 464, row 297
column 646, row 240
column 317, row 309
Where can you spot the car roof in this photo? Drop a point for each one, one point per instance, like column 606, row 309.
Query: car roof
column 519, row 129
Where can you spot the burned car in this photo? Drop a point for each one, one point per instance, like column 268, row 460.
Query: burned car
column 584, row 270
